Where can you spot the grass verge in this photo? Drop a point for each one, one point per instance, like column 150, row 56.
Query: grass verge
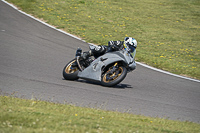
column 167, row 31
column 24, row 116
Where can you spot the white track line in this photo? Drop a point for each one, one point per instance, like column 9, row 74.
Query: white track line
column 155, row 69
column 41, row 21
column 162, row 71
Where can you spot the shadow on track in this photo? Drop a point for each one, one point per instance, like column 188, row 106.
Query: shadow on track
column 118, row 86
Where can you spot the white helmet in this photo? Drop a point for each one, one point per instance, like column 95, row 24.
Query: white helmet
column 130, row 43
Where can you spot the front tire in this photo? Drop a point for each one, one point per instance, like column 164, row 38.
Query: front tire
column 70, row 72
column 113, row 78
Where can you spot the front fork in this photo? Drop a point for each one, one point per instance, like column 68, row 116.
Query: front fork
column 112, row 72
column 114, row 67
column 116, row 64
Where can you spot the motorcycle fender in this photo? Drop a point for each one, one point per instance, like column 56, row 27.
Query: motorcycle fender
column 92, row 72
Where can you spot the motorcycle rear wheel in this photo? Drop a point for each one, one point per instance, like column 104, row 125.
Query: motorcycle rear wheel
column 113, row 78
column 70, row 72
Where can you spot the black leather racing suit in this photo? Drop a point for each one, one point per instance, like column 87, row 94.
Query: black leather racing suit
column 102, row 49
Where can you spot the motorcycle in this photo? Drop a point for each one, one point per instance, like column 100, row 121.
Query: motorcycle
column 109, row 69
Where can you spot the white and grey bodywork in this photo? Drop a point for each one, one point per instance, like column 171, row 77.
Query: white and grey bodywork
column 94, row 70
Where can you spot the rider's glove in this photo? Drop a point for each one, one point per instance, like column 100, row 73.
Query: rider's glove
column 110, row 43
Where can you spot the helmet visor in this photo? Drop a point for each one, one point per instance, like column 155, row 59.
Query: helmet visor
column 132, row 48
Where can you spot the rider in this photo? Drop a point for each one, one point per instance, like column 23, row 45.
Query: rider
column 128, row 44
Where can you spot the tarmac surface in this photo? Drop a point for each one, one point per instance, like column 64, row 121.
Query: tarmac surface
column 32, row 58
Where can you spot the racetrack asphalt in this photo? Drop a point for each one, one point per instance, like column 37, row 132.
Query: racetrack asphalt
column 32, row 57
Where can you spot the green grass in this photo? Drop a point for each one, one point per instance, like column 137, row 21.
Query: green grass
column 167, row 31
column 24, row 116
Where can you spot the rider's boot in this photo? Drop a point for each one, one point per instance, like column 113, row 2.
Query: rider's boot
column 86, row 55
column 78, row 52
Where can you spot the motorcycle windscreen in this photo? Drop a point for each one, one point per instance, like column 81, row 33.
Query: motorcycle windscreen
column 133, row 53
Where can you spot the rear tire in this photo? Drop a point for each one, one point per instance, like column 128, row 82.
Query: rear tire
column 69, row 72
column 111, row 79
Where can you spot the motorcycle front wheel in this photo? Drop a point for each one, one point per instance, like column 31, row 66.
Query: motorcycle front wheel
column 112, row 78
column 70, row 72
